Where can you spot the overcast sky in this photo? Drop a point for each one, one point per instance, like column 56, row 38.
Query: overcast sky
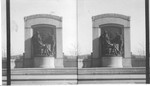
column 63, row 8
column 133, row 8
column 67, row 10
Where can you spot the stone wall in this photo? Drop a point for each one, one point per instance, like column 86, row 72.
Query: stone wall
column 83, row 62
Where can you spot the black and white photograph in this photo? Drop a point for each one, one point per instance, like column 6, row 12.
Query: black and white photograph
column 73, row 42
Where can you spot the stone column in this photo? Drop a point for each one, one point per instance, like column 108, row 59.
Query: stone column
column 96, row 61
column 127, row 53
column 59, row 48
column 28, row 61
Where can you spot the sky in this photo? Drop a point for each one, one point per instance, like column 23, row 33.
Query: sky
column 133, row 8
column 22, row 8
column 77, row 22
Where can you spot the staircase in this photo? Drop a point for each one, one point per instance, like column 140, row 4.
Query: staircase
column 111, row 75
column 39, row 76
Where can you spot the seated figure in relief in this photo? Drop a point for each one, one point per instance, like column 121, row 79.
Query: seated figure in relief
column 41, row 48
column 108, row 48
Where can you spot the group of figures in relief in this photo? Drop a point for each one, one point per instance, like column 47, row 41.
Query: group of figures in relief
column 46, row 47
column 43, row 47
column 111, row 47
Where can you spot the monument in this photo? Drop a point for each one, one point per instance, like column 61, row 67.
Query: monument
column 43, row 41
column 111, row 41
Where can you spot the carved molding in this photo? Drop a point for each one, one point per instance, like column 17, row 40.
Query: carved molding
column 43, row 16
column 111, row 15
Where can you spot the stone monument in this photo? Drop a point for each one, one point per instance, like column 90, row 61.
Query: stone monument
column 111, row 41
column 43, row 41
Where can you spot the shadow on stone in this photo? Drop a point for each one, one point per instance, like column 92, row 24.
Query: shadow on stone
column 138, row 61
column 87, row 61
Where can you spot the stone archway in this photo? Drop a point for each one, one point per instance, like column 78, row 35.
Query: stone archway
column 114, row 21
column 44, row 23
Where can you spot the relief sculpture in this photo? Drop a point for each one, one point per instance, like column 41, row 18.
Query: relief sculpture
column 111, row 47
column 41, row 47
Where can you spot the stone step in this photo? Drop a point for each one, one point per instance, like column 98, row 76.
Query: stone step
column 44, row 76
column 113, row 77
column 112, row 82
column 109, row 71
column 79, row 77
column 82, row 79
column 71, row 71
column 42, row 71
column 60, row 82
column 41, row 79
column 41, row 82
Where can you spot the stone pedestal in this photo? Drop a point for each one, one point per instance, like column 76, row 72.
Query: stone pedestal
column 44, row 62
column 113, row 61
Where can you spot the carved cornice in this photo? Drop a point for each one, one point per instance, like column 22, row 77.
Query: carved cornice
column 111, row 15
column 43, row 16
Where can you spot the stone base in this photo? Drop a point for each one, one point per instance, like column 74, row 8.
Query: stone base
column 71, row 62
column 84, row 63
column 15, row 63
column 114, row 61
column 44, row 62
column 96, row 62
column 28, row 62
column 59, row 63
column 127, row 63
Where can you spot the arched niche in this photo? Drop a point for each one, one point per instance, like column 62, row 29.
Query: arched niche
column 112, row 23
column 113, row 30
column 45, row 30
column 45, row 24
